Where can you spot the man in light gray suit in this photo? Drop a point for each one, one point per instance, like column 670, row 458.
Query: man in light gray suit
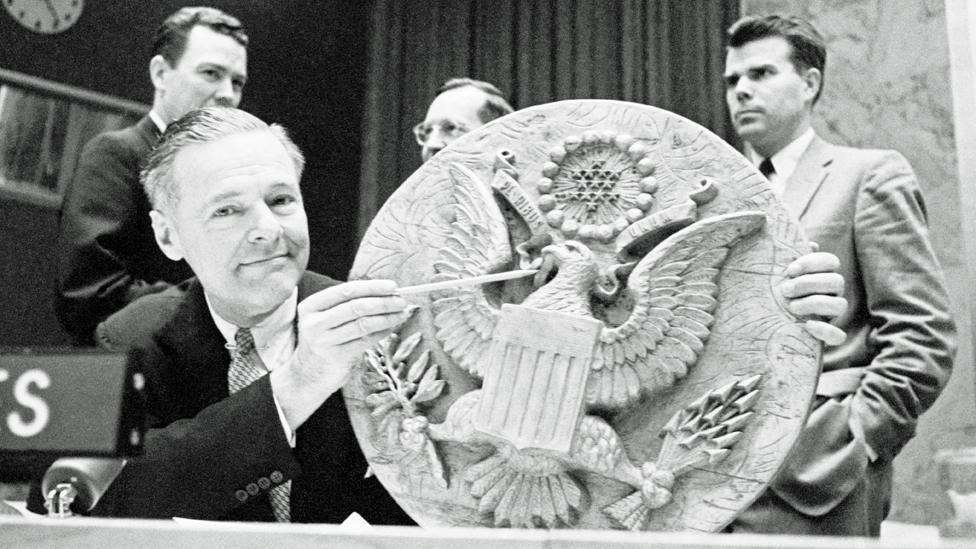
column 866, row 207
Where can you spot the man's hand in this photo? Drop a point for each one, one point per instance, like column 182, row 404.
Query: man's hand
column 813, row 288
column 335, row 327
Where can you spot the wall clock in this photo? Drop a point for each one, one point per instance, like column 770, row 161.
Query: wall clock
column 45, row 16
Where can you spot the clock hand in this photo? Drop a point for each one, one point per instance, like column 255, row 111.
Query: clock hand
column 53, row 10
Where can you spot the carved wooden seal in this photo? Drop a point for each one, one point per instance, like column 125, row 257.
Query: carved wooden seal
column 648, row 377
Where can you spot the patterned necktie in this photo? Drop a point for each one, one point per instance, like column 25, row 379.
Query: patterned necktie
column 766, row 168
column 246, row 367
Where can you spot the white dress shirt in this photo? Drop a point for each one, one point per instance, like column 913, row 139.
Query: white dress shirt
column 274, row 339
column 784, row 161
column 158, row 120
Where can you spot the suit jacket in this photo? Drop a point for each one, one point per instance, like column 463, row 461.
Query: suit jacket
column 107, row 255
column 211, row 455
column 865, row 206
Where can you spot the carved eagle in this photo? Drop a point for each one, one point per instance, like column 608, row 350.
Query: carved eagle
column 674, row 290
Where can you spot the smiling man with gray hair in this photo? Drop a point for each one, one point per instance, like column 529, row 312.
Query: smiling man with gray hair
column 244, row 362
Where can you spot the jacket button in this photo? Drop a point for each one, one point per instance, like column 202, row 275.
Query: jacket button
column 241, row 495
column 252, row 489
column 277, row 477
column 264, row 483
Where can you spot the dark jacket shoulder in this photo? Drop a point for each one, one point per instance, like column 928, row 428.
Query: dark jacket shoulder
column 138, row 322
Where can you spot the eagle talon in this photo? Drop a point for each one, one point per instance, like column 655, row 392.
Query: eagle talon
column 657, row 485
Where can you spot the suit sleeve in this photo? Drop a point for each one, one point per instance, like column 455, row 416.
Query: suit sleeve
column 100, row 218
column 229, row 454
column 911, row 336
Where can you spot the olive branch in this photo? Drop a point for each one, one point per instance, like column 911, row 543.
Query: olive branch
column 402, row 386
column 398, row 385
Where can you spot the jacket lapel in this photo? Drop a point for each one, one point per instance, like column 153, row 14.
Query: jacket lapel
column 196, row 344
column 810, row 173
column 193, row 341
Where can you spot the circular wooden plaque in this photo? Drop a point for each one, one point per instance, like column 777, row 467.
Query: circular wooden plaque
column 647, row 377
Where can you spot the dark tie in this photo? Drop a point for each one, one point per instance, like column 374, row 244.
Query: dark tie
column 766, row 168
column 246, row 367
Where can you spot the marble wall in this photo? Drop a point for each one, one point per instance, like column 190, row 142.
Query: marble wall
column 888, row 85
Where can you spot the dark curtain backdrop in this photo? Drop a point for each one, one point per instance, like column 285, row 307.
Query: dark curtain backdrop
column 666, row 53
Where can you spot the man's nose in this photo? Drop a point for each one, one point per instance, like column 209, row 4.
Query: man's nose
column 265, row 225
column 434, row 143
column 437, row 139
column 226, row 95
column 743, row 89
column 428, row 151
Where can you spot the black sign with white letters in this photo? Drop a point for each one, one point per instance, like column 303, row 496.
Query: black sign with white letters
column 66, row 403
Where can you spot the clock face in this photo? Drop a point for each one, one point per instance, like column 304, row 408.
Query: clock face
column 45, row 16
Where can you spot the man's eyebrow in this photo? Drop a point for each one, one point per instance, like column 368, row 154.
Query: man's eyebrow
column 761, row 66
column 284, row 185
column 211, row 65
column 206, row 64
column 225, row 195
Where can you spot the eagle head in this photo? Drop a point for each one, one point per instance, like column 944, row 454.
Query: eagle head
column 568, row 264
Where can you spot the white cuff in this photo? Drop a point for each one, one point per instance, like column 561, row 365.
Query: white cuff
column 289, row 433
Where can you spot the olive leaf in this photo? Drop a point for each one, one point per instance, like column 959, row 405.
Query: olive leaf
column 428, row 392
column 406, row 348
column 418, row 367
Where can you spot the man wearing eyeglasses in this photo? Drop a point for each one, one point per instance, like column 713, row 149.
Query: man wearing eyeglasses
column 461, row 105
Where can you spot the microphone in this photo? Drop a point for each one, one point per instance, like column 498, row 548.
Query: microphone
column 87, row 477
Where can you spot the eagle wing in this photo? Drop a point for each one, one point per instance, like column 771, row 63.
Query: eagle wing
column 478, row 244
column 675, row 290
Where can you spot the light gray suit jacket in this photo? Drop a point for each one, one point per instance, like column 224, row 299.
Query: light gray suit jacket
column 865, row 206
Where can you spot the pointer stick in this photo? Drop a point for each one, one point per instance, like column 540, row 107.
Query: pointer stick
column 447, row 284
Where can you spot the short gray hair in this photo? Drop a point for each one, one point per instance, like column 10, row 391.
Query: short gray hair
column 195, row 128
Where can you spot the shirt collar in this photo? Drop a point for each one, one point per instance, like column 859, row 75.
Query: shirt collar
column 280, row 323
column 158, row 120
column 786, row 159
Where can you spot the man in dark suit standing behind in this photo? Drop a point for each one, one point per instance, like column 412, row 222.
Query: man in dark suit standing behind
column 865, row 207
column 106, row 253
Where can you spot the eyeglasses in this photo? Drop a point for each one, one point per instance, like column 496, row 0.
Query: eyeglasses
column 449, row 129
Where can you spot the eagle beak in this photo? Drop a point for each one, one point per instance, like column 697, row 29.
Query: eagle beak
column 549, row 255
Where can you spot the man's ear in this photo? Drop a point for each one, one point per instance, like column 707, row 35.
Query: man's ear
column 167, row 238
column 157, row 71
column 813, row 79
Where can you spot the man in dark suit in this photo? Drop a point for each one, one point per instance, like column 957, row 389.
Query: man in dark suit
column 865, row 207
column 106, row 253
column 459, row 106
column 224, row 188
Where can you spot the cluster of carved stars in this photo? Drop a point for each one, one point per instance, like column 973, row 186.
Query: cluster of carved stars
column 596, row 184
